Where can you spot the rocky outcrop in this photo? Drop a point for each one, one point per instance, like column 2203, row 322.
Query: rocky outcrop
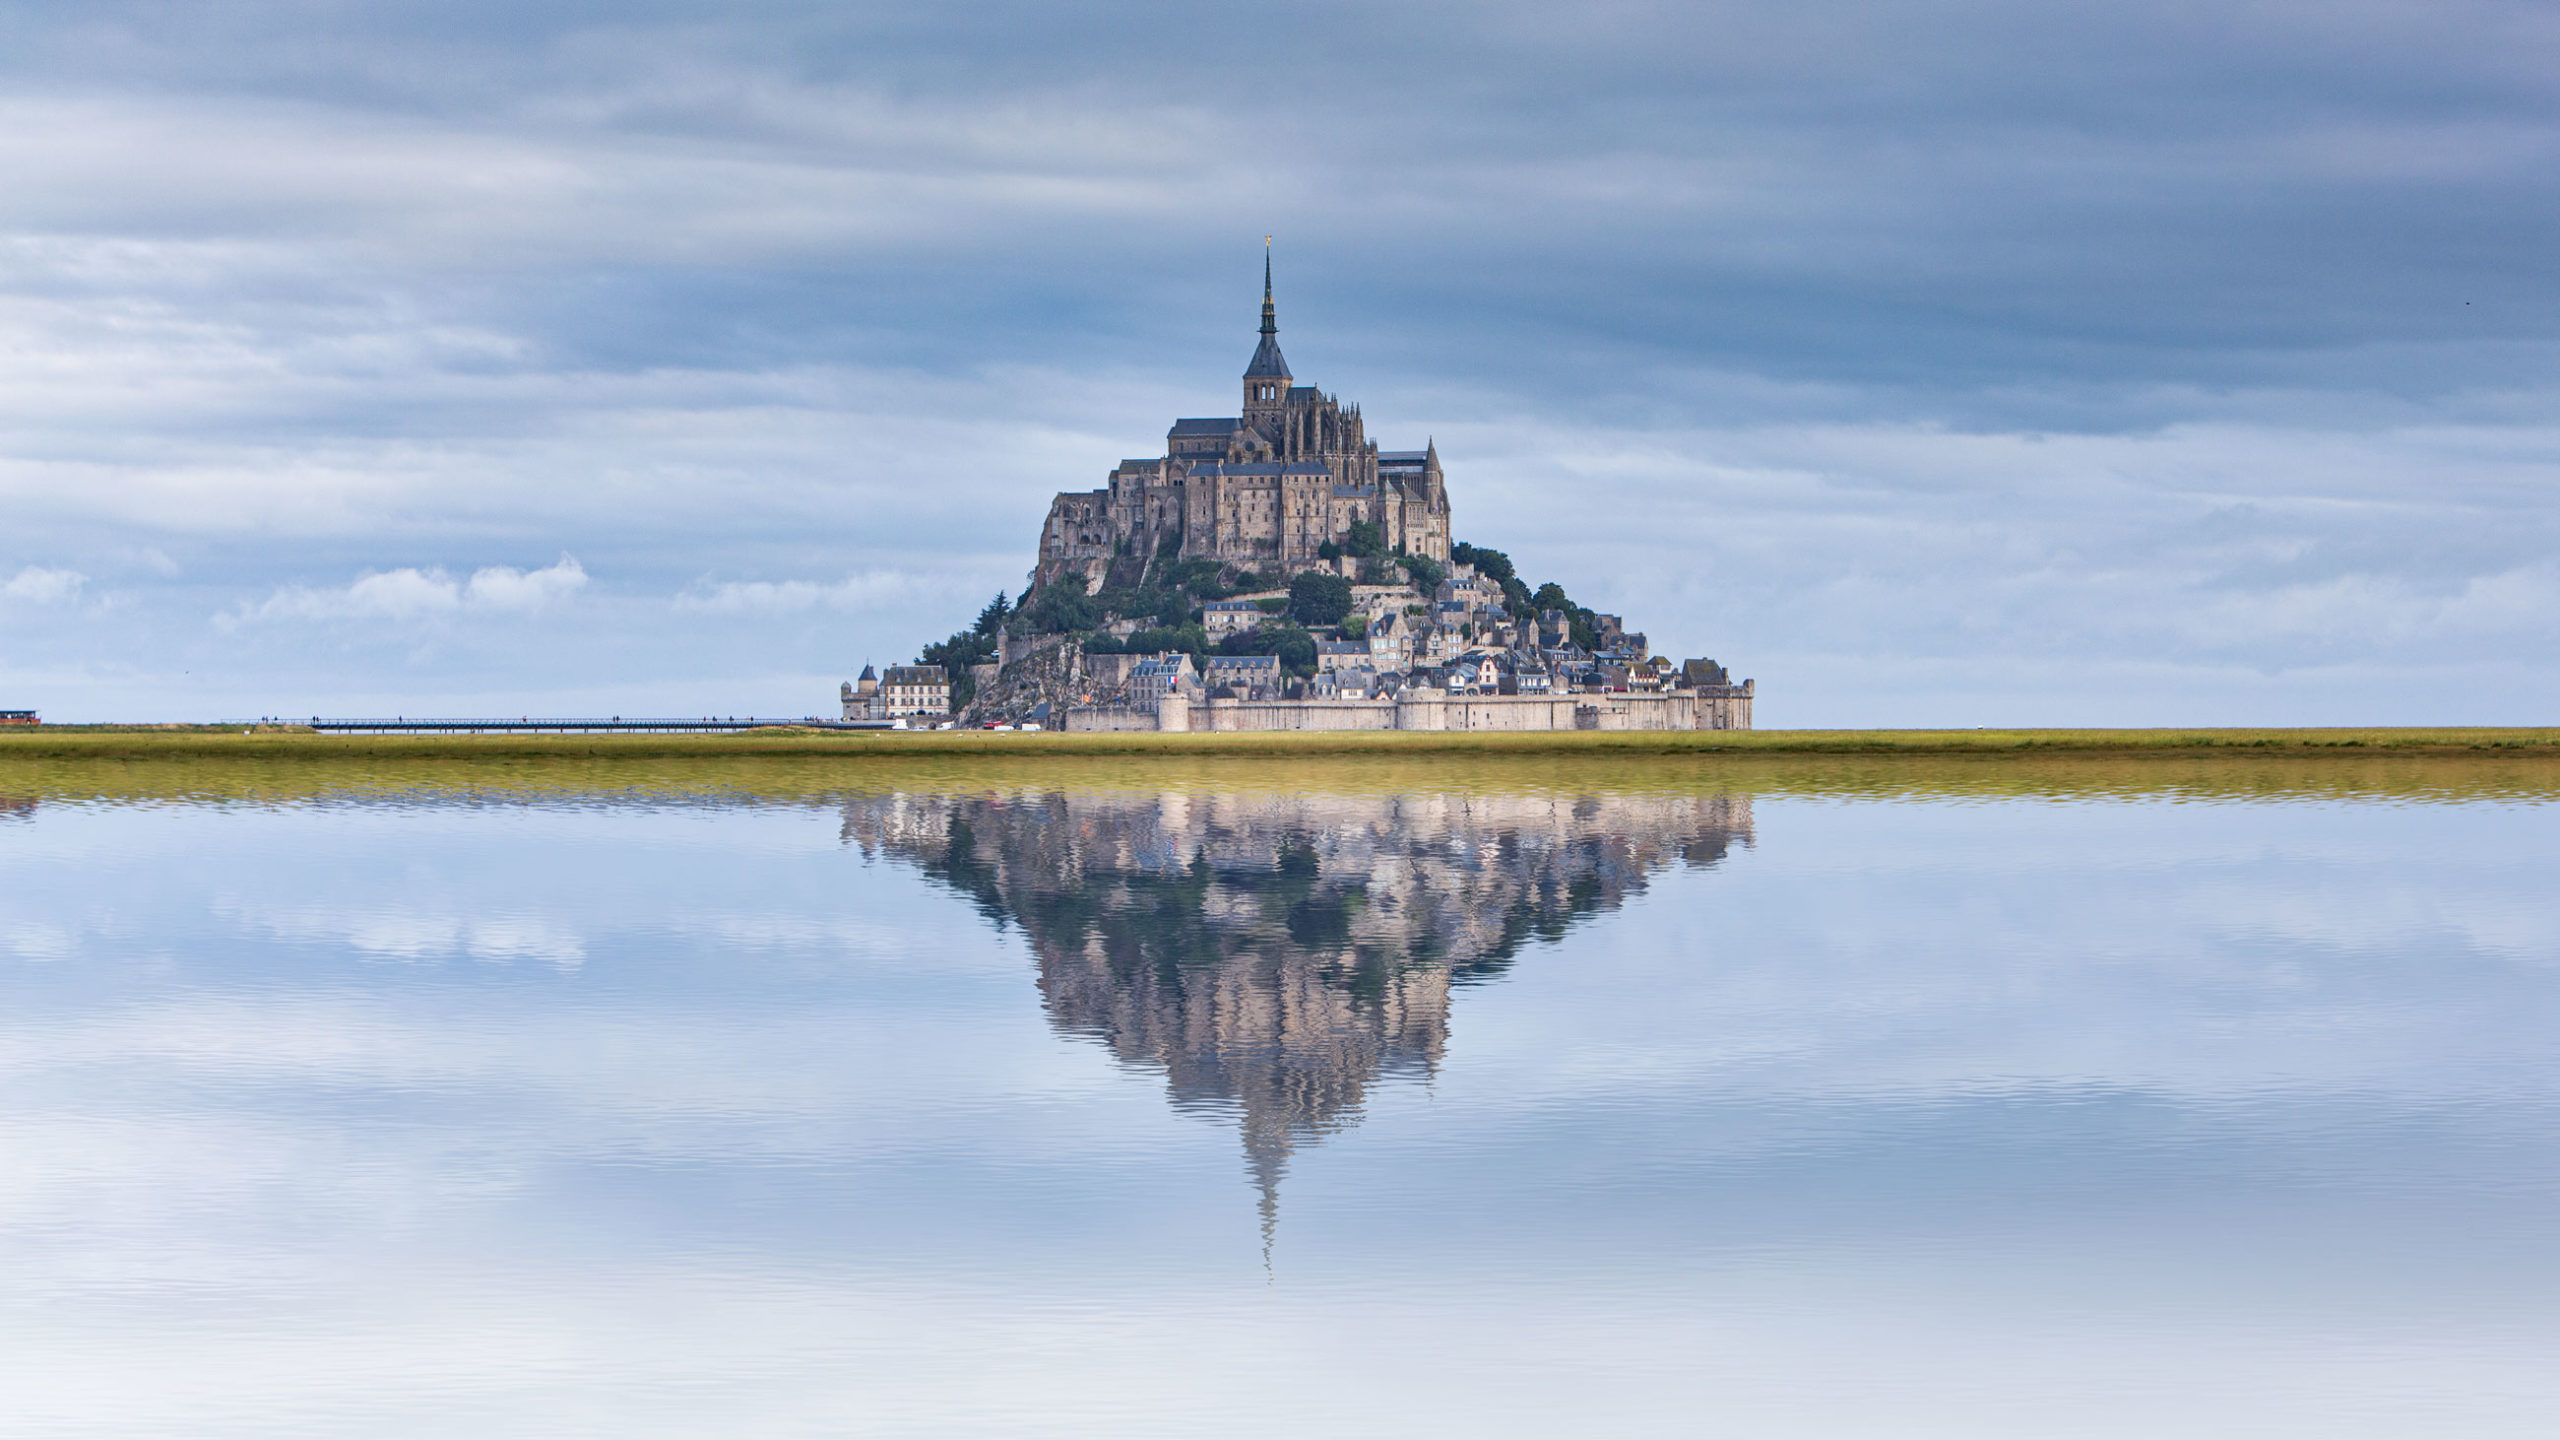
column 1038, row 670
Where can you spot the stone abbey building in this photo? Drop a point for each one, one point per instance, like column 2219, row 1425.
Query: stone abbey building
column 1263, row 489
column 1275, row 570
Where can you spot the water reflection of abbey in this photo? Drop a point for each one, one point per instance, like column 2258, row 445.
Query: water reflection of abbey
column 1274, row 956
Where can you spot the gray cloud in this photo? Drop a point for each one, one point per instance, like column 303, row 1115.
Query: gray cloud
column 2217, row 342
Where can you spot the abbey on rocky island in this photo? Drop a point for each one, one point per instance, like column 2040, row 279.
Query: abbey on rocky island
column 1275, row 487
column 1275, row 570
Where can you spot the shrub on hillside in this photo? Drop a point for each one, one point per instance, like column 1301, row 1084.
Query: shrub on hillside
column 1295, row 647
column 1491, row 564
column 1424, row 571
column 1060, row 607
column 1317, row 598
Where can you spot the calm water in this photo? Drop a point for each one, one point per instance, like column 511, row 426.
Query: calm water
column 1244, row 1103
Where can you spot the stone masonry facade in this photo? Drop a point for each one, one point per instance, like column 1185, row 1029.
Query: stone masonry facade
column 1263, row 489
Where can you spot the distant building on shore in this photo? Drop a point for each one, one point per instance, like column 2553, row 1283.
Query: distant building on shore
column 911, row 691
column 862, row 697
column 906, row 692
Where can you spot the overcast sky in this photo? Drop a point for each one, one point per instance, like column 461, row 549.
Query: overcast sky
column 1935, row 363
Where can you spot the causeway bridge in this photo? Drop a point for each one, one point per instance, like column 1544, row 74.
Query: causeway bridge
column 541, row 725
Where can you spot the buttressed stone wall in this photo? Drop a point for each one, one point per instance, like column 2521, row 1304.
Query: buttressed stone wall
column 1264, row 488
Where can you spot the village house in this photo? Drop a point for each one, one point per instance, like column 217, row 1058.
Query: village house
column 911, row 691
column 1222, row 618
column 1249, row 676
column 1152, row 679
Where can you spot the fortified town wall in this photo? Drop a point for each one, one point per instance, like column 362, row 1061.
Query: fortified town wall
column 1717, row 707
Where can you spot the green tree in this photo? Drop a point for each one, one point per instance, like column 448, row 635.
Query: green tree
column 1551, row 596
column 1061, row 607
column 959, row 652
column 997, row 612
column 1316, row 598
column 1295, row 647
column 1424, row 571
column 1366, row 540
column 1491, row 564
column 1189, row 638
column 954, row 657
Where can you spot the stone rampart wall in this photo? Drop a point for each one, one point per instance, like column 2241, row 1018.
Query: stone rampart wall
column 1294, row 715
column 1722, row 707
column 1110, row 717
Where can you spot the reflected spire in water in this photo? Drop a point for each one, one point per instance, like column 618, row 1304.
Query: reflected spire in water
column 1274, row 956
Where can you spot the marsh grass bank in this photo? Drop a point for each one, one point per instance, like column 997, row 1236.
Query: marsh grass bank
column 294, row 742
column 76, row 766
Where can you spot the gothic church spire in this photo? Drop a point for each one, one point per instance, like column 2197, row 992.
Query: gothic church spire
column 1267, row 363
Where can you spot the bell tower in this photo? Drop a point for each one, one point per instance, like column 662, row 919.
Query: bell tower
column 1266, row 380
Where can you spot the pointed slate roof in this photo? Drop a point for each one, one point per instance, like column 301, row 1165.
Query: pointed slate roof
column 1267, row 362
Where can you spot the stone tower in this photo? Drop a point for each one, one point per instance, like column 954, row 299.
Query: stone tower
column 1266, row 380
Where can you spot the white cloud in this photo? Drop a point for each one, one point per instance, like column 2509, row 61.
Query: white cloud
column 501, row 588
column 35, row 940
column 413, row 594
column 861, row 591
column 430, row 934
column 36, row 585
